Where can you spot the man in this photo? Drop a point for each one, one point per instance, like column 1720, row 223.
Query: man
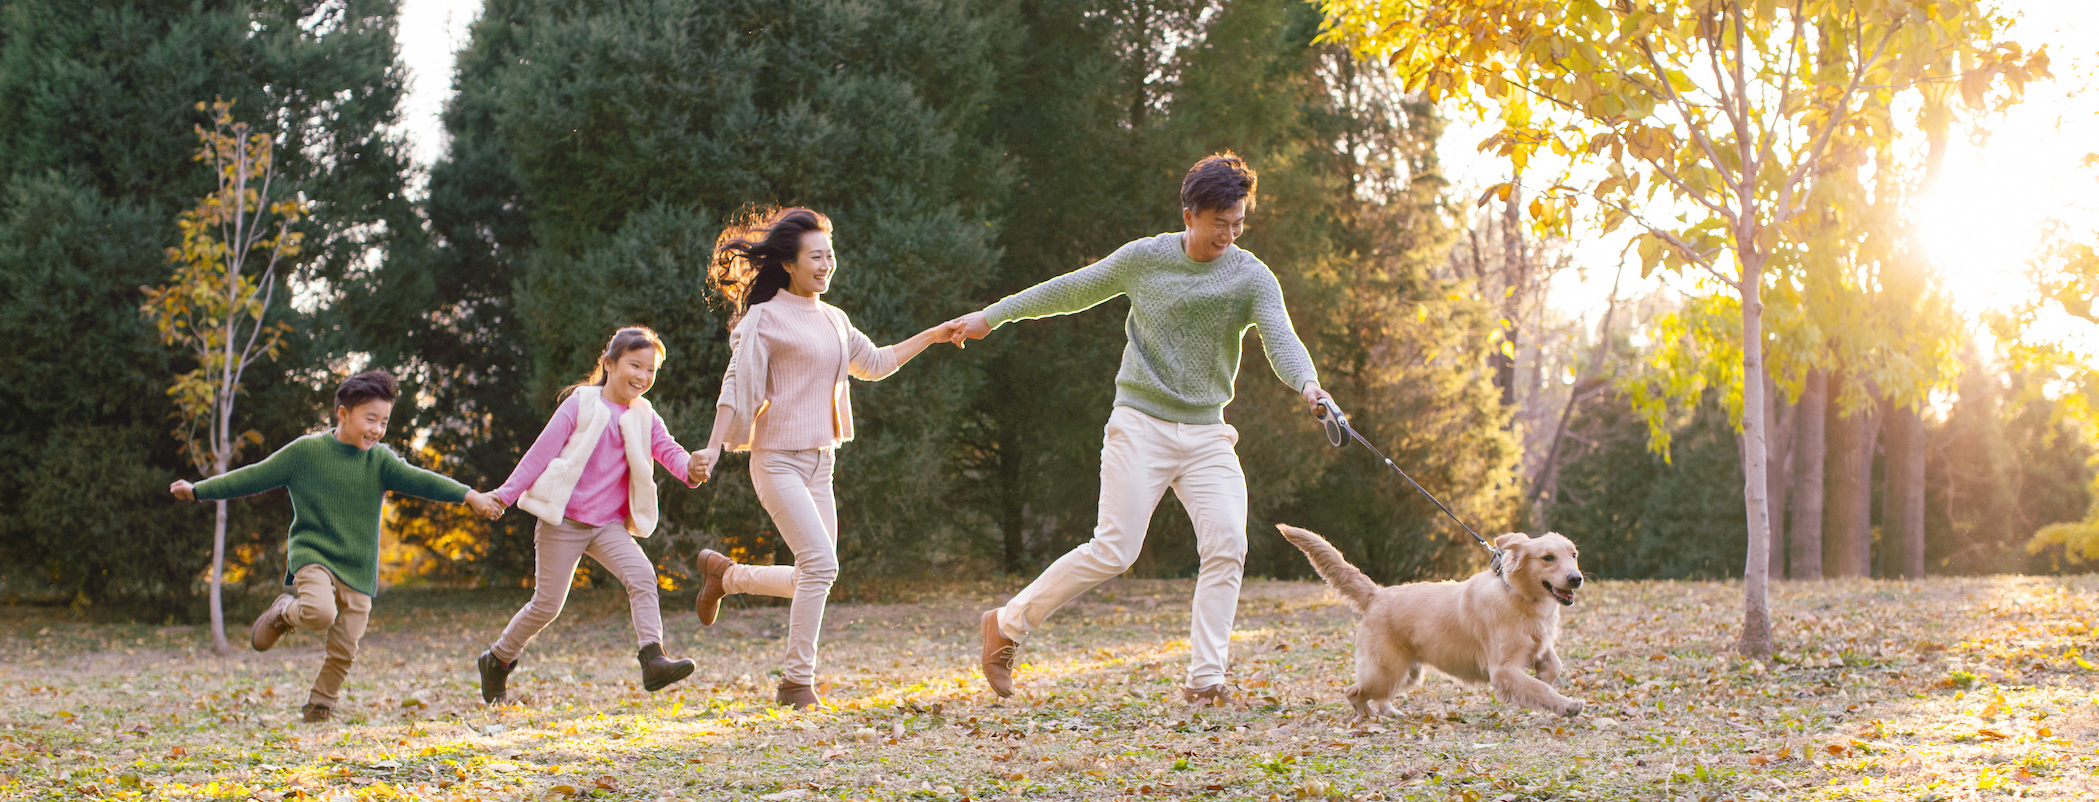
column 1192, row 296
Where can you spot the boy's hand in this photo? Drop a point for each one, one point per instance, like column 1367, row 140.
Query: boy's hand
column 703, row 460
column 183, row 490
column 484, row 504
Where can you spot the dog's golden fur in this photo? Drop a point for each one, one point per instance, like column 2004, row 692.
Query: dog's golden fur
column 1487, row 629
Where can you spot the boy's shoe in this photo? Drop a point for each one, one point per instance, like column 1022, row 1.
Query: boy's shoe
column 658, row 671
column 1219, row 695
column 797, row 695
column 1001, row 654
column 713, row 565
column 495, row 677
column 271, row 625
column 316, row 713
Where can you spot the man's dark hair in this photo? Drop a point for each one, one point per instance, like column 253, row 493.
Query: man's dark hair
column 371, row 385
column 1217, row 182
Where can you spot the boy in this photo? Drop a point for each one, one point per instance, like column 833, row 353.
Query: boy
column 337, row 480
column 1192, row 295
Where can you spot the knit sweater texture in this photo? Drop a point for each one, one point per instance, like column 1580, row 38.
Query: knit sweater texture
column 784, row 390
column 337, row 490
column 1186, row 323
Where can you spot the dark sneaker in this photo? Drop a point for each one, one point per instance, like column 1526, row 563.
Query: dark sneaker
column 271, row 625
column 495, row 677
column 1001, row 654
column 658, row 671
column 1219, row 695
column 797, row 695
column 316, row 714
column 713, row 565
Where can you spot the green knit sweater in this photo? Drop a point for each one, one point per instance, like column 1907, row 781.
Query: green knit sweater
column 336, row 491
column 1186, row 321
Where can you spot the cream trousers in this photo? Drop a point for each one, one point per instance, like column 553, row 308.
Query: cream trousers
column 557, row 549
column 1142, row 456
column 323, row 603
column 795, row 487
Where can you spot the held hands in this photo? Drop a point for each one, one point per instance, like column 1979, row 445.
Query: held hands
column 968, row 327
column 703, row 460
column 485, row 505
column 183, row 490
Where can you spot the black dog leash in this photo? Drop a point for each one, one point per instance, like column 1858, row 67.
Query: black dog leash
column 1337, row 425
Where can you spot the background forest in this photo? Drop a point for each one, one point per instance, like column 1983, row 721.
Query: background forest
column 964, row 150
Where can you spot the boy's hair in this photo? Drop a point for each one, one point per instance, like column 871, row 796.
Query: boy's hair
column 1217, row 182
column 371, row 385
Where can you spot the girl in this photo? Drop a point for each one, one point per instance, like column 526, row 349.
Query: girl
column 589, row 481
column 785, row 399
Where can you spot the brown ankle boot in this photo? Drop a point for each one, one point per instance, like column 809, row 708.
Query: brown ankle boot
column 797, row 695
column 713, row 565
column 1001, row 654
column 271, row 625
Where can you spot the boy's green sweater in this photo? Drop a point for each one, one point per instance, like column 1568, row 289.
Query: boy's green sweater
column 1186, row 322
column 336, row 491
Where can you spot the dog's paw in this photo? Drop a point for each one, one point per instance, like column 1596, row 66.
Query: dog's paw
column 1572, row 708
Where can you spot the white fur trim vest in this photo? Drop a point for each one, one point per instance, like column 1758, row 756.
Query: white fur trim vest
column 548, row 497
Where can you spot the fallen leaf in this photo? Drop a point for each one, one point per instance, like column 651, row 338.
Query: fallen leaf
column 608, row 783
column 791, row 793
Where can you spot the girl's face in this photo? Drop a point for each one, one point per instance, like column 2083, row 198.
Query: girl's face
column 810, row 272
column 632, row 374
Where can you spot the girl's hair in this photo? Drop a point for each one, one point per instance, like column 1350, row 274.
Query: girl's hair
column 631, row 338
column 751, row 256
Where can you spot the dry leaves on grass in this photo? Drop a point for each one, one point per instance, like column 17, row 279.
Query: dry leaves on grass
column 1881, row 690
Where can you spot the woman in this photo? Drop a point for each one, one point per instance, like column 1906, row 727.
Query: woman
column 785, row 398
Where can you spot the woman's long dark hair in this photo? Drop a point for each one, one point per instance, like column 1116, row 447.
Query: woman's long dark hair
column 751, row 255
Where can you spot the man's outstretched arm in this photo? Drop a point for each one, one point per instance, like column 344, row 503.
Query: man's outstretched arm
column 1076, row 291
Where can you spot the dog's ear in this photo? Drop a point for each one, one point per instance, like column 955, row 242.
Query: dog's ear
column 1513, row 537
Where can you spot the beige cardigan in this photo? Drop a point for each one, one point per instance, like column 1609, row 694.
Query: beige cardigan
column 743, row 386
column 548, row 496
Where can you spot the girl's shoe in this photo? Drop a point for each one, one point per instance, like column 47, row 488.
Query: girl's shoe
column 658, row 671
column 495, row 677
column 797, row 695
column 713, row 565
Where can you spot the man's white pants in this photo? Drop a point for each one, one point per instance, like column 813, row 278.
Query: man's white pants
column 1141, row 456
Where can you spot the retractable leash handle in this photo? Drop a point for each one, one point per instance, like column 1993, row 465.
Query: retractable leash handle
column 1336, row 423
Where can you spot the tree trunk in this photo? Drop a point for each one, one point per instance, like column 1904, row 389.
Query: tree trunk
column 1848, row 539
column 1778, row 466
column 1902, row 510
column 218, row 573
column 1810, row 448
column 1756, row 610
column 1515, row 273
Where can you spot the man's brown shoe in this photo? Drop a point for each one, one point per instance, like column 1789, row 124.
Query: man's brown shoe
column 270, row 626
column 316, row 714
column 797, row 695
column 1001, row 654
column 713, row 565
column 1219, row 695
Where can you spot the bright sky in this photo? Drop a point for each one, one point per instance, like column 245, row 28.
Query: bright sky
column 431, row 32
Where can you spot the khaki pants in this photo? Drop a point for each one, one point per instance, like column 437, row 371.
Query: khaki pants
column 1142, row 456
column 321, row 602
column 557, row 549
column 795, row 487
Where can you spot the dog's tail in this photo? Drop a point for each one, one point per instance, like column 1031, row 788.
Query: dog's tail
column 1347, row 579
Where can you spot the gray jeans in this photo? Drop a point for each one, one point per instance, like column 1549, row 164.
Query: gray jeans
column 558, row 548
column 795, row 487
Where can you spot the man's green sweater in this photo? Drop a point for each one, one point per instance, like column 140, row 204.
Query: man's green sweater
column 1185, row 325
column 336, row 490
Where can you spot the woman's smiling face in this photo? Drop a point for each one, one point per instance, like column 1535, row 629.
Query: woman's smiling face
column 810, row 272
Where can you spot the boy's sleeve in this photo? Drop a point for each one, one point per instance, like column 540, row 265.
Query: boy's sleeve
column 400, row 477
column 1286, row 354
column 1076, row 291
column 272, row 472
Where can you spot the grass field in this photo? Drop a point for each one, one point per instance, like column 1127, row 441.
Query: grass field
column 1947, row 689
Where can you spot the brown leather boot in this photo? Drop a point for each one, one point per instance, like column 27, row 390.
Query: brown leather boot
column 316, row 713
column 713, row 565
column 271, row 625
column 1001, row 654
column 797, row 695
column 1219, row 695
column 658, row 671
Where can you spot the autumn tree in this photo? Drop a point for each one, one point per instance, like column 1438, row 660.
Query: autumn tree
column 216, row 306
column 1710, row 122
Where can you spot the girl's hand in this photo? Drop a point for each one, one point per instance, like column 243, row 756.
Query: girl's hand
column 183, row 490
column 487, row 505
column 703, row 462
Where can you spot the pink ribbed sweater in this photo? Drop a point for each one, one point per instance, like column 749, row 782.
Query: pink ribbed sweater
column 807, row 355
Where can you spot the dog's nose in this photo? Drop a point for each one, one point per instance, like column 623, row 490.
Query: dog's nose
column 1574, row 580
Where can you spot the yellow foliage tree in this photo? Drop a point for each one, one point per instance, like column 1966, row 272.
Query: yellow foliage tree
column 1711, row 121
column 215, row 306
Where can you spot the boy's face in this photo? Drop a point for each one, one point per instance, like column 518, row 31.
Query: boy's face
column 364, row 424
column 1211, row 231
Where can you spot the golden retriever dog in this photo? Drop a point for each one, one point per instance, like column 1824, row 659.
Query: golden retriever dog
column 1490, row 628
